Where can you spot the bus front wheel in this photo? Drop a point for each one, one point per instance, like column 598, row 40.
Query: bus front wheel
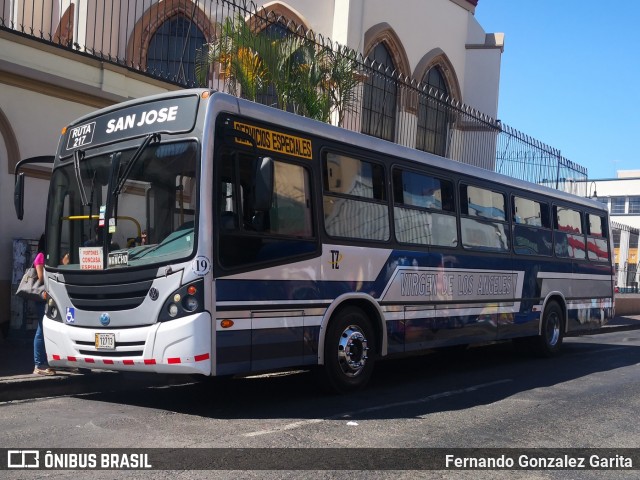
column 349, row 350
column 549, row 342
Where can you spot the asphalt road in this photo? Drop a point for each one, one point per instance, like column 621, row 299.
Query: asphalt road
column 486, row 397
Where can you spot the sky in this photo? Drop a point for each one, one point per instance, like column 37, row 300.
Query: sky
column 570, row 77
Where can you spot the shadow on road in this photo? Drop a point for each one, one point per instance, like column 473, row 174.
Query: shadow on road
column 402, row 388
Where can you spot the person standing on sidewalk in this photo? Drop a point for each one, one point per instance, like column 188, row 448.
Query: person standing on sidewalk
column 39, row 352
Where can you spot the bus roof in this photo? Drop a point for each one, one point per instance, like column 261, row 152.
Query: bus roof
column 223, row 102
column 314, row 127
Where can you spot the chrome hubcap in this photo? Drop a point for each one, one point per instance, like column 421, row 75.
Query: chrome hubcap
column 352, row 351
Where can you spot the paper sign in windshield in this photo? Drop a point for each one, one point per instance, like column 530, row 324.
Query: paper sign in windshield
column 90, row 258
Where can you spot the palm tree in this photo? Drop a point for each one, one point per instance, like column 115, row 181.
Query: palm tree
column 305, row 77
column 343, row 80
column 241, row 67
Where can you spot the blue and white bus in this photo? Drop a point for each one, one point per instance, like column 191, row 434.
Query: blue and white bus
column 211, row 235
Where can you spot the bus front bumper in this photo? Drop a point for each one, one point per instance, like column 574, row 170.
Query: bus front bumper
column 179, row 346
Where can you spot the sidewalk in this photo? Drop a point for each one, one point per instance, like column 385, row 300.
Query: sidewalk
column 17, row 382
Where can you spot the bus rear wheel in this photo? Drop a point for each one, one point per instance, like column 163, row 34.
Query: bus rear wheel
column 549, row 342
column 349, row 351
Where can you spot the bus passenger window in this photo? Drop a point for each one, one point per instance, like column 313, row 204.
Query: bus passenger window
column 483, row 203
column 483, row 219
column 531, row 227
column 424, row 211
column 569, row 241
column 354, row 198
column 597, row 245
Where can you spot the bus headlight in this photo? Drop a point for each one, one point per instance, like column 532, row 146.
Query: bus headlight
column 51, row 309
column 186, row 300
column 190, row 303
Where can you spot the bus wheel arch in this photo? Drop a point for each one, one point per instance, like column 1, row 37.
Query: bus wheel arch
column 351, row 339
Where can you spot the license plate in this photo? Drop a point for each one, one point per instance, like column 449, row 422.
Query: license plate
column 105, row 341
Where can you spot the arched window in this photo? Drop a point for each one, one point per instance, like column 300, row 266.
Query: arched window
column 433, row 117
column 172, row 50
column 380, row 96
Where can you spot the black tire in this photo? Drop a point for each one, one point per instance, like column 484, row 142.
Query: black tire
column 549, row 342
column 349, row 351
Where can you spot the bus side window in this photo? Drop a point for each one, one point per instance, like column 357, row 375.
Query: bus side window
column 531, row 227
column 424, row 210
column 569, row 241
column 354, row 200
column 483, row 219
column 597, row 245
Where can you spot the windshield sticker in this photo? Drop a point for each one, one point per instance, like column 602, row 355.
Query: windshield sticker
column 201, row 265
column 103, row 209
column 118, row 259
column 81, row 135
column 275, row 141
column 90, row 258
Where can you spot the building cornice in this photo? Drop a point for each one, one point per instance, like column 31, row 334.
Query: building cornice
column 492, row 41
column 469, row 5
column 102, row 88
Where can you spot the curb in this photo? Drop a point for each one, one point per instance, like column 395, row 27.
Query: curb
column 24, row 387
column 605, row 329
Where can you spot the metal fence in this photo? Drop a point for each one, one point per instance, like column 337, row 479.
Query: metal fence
column 235, row 46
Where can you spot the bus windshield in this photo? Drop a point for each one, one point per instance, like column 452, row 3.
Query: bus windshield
column 126, row 208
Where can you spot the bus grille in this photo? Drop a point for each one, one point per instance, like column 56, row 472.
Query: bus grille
column 111, row 354
column 108, row 297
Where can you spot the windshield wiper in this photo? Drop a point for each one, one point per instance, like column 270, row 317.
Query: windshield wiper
column 78, row 155
column 152, row 137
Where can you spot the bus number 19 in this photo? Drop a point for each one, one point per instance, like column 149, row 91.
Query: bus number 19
column 201, row 266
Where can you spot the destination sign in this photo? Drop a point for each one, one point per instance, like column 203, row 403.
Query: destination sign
column 171, row 115
column 276, row 141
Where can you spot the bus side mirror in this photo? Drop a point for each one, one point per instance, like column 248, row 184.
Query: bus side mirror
column 18, row 196
column 18, row 188
column 263, row 184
